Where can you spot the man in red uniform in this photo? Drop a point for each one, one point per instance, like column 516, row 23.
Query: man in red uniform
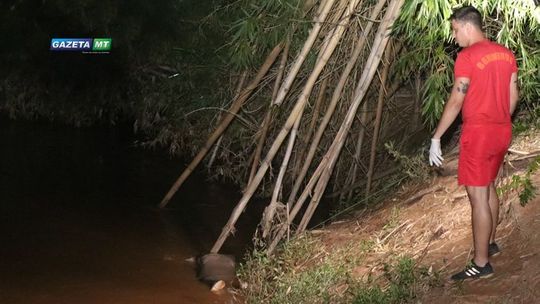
column 485, row 91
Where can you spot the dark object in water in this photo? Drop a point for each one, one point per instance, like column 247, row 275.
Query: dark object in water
column 215, row 267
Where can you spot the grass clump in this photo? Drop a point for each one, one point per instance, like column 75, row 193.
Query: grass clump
column 301, row 272
column 523, row 184
column 404, row 281
column 304, row 270
column 413, row 167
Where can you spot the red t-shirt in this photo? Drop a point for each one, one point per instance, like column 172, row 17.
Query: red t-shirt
column 489, row 67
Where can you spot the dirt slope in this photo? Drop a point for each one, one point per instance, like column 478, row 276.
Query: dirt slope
column 517, row 268
column 431, row 223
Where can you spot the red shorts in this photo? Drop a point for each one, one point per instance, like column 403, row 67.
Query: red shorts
column 481, row 152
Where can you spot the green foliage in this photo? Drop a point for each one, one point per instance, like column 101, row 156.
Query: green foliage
column 404, row 280
column 256, row 26
column 278, row 279
column 414, row 167
column 528, row 191
column 424, row 28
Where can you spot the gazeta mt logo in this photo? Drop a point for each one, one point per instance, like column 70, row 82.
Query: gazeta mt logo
column 81, row 44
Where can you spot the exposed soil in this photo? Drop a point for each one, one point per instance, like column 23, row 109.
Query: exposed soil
column 431, row 223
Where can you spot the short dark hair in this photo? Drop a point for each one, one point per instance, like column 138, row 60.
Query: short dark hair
column 468, row 14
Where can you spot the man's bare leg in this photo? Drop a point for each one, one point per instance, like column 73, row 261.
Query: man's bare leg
column 481, row 222
column 494, row 206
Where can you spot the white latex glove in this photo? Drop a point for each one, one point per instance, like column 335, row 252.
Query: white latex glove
column 435, row 154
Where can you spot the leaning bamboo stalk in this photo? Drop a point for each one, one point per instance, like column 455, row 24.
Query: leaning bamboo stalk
column 336, row 96
column 271, row 209
column 237, row 92
column 332, row 19
column 250, row 189
column 265, row 125
column 328, row 39
column 373, row 60
column 296, row 113
column 296, row 208
column 314, row 33
column 311, row 128
column 214, row 153
column 328, row 49
column 282, row 66
column 364, row 83
column 316, row 109
column 359, row 145
column 319, row 189
column 227, row 119
column 378, row 119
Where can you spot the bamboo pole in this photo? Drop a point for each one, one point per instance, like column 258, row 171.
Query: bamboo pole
column 237, row 92
column 296, row 208
column 265, row 125
column 349, row 172
column 227, row 119
column 332, row 19
column 367, row 75
column 295, row 114
column 300, row 157
column 271, row 209
column 374, row 59
column 214, row 153
column 378, row 118
column 282, row 65
column 250, row 189
column 316, row 109
column 359, row 47
column 314, row 33
column 359, row 145
column 329, row 46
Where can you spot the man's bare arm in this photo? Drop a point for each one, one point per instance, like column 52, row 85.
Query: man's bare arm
column 514, row 93
column 453, row 105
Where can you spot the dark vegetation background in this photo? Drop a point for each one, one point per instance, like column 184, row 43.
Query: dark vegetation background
column 175, row 64
column 156, row 62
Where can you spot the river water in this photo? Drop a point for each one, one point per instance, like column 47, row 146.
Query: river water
column 78, row 222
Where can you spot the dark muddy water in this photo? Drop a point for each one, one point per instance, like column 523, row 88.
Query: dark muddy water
column 78, row 222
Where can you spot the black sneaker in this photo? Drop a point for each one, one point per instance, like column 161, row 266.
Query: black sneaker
column 493, row 249
column 473, row 271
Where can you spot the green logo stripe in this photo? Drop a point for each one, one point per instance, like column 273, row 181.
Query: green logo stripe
column 102, row 44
